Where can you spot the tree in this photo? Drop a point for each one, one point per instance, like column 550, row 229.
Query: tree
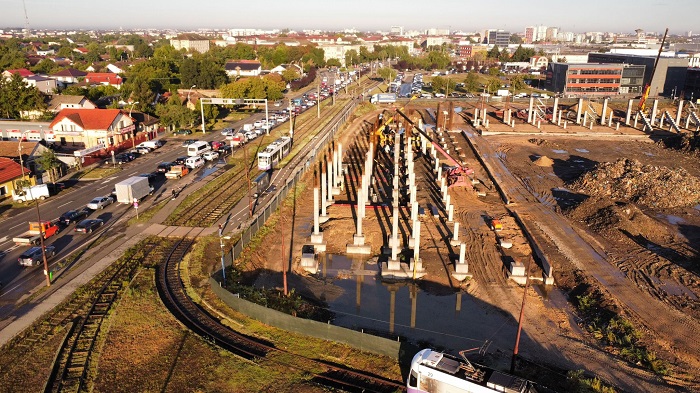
column 174, row 114
column 445, row 85
column 48, row 162
column 515, row 39
column 438, row 59
column 387, row 73
column 517, row 82
column 16, row 96
column 494, row 53
column 493, row 85
column 352, row 57
column 333, row 63
column 471, row 82
column 290, row 74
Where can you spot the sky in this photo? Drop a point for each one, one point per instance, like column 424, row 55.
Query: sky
column 619, row 16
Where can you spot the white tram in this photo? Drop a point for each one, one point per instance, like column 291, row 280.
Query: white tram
column 274, row 153
column 436, row 372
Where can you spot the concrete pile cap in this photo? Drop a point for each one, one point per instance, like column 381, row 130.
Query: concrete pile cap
column 648, row 185
column 544, row 161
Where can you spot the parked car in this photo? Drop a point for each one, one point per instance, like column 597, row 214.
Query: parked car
column 164, row 167
column 188, row 142
column 123, row 158
column 72, row 216
column 151, row 176
column 89, row 225
column 225, row 149
column 182, row 131
column 142, row 150
column 228, row 131
column 55, row 188
column 210, row 155
column 179, row 161
column 100, row 202
column 33, row 256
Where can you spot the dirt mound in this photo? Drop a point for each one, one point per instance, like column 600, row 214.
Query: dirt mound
column 544, row 161
column 684, row 143
column 607, row 218
column 647, row 185
column 542, row 142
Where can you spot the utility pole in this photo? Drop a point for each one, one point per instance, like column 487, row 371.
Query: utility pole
column 247, row 174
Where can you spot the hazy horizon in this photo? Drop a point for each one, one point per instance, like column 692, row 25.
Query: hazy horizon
column 620, row 16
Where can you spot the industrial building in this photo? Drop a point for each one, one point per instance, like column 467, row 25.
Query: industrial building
column 670, row 75
column 587, row 79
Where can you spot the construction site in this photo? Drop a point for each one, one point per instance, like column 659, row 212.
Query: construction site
column 441, row 222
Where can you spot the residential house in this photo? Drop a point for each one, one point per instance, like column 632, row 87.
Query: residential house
column 44, row 84
column 538, row 62
column 238, row 68
column 81, row 50
column 97, row 130
column 147, row 126
column 103, row 78
column 10, row 172
column 30, row 151
column 115, row 69
column 57, row 102
column 23, row 72
column 45, row 52
column 336, row 51
column 68, row 76
column 283, row 67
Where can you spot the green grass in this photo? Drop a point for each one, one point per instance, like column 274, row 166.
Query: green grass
column 97, row 172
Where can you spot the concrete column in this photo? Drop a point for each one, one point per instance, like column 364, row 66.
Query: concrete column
column 329, row 173
column 395, row 233
column 438, row 169
column 654, row 110
column 448, row 198
column 590, row 126
column 483, row 117
column 323, row 194
column 416, row 243
column 565, row 123
column 316, row 223
column 512, row 124
column 462, row 253
column 605, row 109
column 414, row 211
column 629, row 113
column 476, row 116
column 335, row 168
column 559, row 119
column 554, row 109
column 340, row 165
column 610, row 121
column 679, row 113
column 359, row 217
column 455, row 233
column 636, row 119
column 423, row 144
column 579, row 111
column 661, row 121
column 450, row 213
column 530, row 113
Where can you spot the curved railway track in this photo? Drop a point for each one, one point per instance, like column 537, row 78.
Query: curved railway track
column 173, row 294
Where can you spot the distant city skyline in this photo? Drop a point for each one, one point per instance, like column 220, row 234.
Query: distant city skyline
column 619, row 16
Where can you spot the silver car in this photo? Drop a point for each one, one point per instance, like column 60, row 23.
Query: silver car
column 100, row 202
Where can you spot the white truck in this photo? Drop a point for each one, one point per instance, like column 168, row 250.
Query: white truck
column 40, row 191
column 503, row 92
column 136, row 187
column 248, row 127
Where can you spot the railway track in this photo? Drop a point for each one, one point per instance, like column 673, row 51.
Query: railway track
column 211, row 206
column 69, row 372
column 173, row 294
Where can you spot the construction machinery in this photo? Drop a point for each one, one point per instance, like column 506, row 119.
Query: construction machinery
column 647, row 87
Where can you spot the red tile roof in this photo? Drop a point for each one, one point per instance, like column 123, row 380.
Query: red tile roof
column 10, row 170
column 23, row 72
column 88, row 119
column 103, row 77
column 71, row 72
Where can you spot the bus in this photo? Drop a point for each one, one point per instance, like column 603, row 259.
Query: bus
column 274, row 153
column 197, row 148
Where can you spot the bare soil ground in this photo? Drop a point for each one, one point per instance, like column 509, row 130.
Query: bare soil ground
column 655, row 248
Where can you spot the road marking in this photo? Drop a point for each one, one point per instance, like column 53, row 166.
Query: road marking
column 65, row 204
column 99, row 188
column 133, row 173
column 3, row 239
column 16, row 226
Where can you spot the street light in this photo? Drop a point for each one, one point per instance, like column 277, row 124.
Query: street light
column 133, row 137
column 221, row 244
column 188, row 93
column 38, row 214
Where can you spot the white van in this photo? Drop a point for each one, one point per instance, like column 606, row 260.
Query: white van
column 194, row 162
column 197, row 148
column 154, row 144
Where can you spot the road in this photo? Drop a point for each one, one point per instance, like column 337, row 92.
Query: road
column 676, row 330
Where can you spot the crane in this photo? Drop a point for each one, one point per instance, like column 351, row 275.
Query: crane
column 26, row 17
column 647, row 87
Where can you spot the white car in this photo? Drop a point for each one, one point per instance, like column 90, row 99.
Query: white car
column 210, row 155
column 100, row 202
